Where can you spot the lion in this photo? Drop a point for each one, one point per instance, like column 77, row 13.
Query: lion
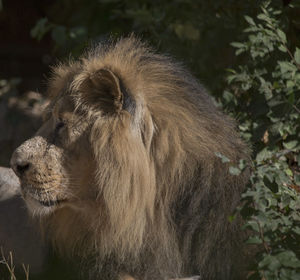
column 124, row 173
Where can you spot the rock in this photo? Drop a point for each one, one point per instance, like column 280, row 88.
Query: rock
column 9, row 184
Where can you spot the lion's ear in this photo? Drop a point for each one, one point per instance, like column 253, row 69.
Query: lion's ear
column 105, row 90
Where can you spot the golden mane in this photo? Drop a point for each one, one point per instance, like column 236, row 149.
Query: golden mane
column 163, row 196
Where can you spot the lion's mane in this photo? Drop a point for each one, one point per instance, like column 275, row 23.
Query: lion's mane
column 164, row 197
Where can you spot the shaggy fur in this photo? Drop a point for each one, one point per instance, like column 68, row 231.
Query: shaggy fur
column 132, row 168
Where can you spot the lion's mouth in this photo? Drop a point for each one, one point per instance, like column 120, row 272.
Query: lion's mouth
column 50, row 203
column 44, row 198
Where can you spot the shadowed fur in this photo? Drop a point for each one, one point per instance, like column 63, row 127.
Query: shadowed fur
column 129, row 159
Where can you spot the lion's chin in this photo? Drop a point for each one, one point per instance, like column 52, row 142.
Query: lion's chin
column 41, row 207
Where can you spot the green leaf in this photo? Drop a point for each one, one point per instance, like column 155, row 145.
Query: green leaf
column 288, row 172
column 222, row 157
column 254, row 240
column 231, row 218
column 290, row 84
column 282, row 48
column 40, row 29
column 78, row 32
column 242, row 164
column 263, row 155
column 253, row 225
column 296, row 230
column 286, row 66
column 249, row 20
column 288, row 259
column 291, row 144
column 264, row 17
column 234, row 170
column 237, row 45
column 272, row 185
column 281, row 35
column 187, row 31
column 297, row 56
column 269, row 261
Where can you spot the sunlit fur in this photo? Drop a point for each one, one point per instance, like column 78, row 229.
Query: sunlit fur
column 159, row 198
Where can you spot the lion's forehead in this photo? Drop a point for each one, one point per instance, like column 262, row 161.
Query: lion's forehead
column 62, row 110
column 63, row 104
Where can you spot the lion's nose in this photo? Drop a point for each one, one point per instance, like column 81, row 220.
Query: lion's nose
column 19, row 166
column 22, row 167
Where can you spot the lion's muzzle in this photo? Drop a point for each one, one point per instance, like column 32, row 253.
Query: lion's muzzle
column 36, row 164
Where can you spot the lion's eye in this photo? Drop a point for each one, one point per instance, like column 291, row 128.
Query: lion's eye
column 58, row 127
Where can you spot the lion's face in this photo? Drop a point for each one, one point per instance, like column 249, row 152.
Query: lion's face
column 53, row 166
column 92, row 148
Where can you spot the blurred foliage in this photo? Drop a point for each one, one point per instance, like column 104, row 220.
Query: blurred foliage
column 262, row 91
column 196, row 32
column 264, row 95
column 9, row 87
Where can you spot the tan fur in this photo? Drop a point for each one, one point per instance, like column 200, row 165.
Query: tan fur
column 141, row 191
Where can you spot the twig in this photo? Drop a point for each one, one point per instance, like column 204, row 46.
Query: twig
column 9, row 263
column 26, row 271
column 297, row 109
column 261, row 233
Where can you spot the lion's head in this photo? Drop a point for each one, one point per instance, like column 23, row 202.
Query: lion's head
column 125, row 165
